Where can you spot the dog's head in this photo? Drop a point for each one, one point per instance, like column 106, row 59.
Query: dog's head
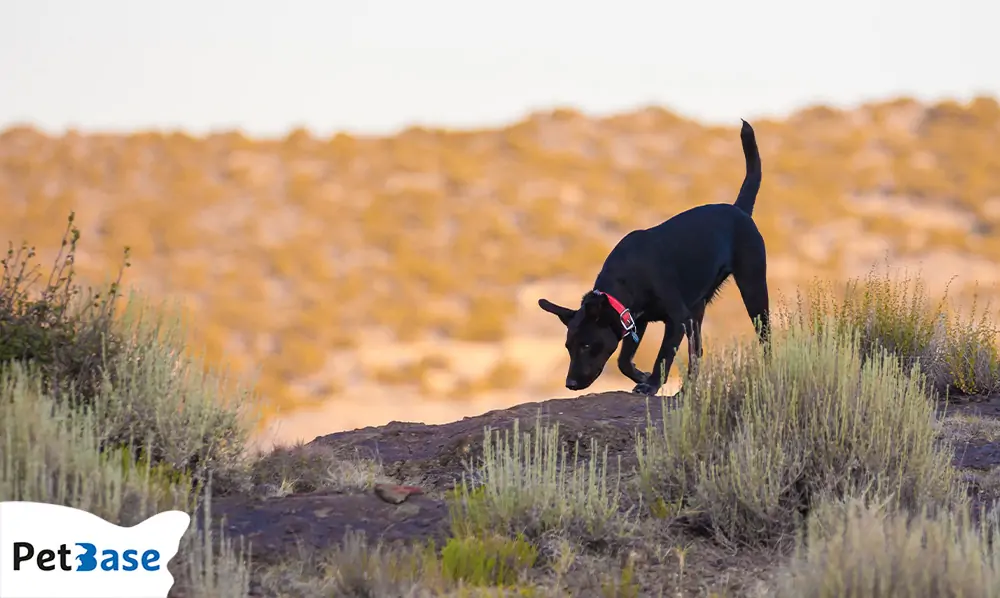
column 592, row 335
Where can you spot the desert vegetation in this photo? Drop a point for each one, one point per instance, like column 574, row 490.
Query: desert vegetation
column 823, row 468
column 293, row 255
column 101, row 409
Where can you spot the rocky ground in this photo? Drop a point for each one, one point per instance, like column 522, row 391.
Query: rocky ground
column 306, row 513
column 430, row 456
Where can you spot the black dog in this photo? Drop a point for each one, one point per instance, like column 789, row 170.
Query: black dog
column 669, row 273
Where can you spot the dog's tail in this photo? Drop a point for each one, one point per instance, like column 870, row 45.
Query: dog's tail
column 751, row 183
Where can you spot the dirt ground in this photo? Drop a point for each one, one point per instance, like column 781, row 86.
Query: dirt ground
column 432, row 457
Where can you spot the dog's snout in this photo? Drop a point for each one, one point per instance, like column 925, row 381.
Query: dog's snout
column 572, row 384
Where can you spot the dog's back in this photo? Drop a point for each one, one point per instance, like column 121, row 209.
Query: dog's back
column 699, row 247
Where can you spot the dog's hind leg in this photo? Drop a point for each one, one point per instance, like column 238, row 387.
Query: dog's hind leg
column 695, row 349
column 626, row 356
column 751, row 279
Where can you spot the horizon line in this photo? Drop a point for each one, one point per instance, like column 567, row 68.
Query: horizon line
column 500, row 124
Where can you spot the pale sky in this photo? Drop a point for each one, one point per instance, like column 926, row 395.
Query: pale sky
column 375, row 67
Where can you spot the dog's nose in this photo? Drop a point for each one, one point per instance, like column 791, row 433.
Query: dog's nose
column 572, row 384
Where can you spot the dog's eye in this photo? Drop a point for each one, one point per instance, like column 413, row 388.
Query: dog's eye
column 584, row 347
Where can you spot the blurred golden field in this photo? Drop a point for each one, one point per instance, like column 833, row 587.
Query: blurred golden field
column 396, row 277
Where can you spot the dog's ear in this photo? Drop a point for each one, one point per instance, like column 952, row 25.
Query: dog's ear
column 565, row 314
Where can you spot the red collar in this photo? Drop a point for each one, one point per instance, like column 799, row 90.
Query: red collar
column 624, row 315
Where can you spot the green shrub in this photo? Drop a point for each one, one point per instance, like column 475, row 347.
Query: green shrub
column 467, row 567
column 488, row 560
column 64, row 329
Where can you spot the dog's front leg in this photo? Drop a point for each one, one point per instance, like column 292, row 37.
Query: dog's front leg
column 626, row 365
column 664, row 359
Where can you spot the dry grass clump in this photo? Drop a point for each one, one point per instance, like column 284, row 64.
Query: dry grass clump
column 963, row 428
column 956, row 351
column 306, row 468
column 528, row 482
column 758, row 439
column 209, row 564
column 155, row 395
column 853, row 550
column 52, row 453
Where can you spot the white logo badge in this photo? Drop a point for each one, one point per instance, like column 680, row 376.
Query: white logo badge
column 52, row 551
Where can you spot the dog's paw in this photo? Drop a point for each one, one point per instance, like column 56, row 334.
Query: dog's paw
column 645, row 389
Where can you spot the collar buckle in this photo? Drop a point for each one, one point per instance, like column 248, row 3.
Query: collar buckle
column 628, row 323
column 624, row 316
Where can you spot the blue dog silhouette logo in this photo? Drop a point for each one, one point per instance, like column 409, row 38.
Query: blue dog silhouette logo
column 54, row 551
